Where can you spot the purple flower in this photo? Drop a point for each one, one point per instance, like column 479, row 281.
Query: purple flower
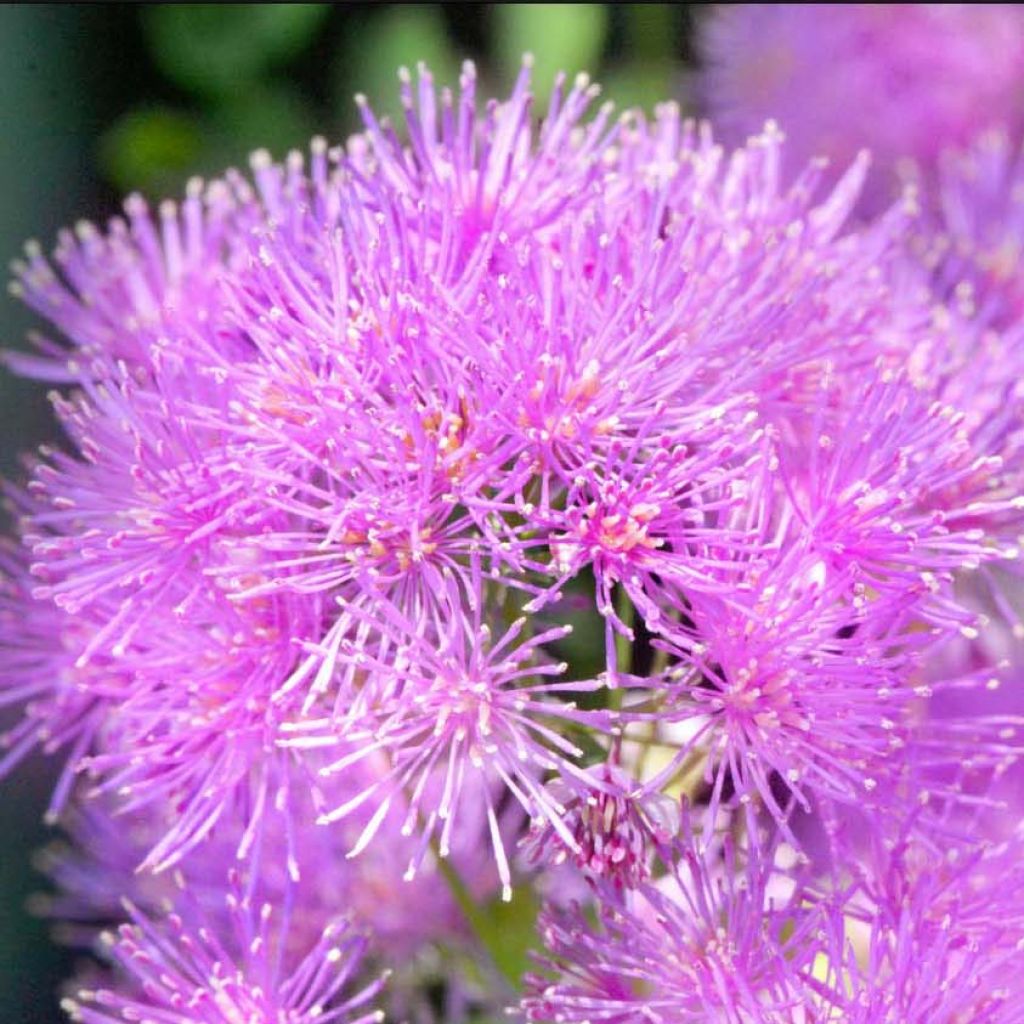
column 138, row 513
column 456, row 712
column 290, row 857
column 349, row 445
column 973, row 234
column 181, row 970
column 966, row 253
column 477, row 178
column 901, row 80
column 615, row 832
column 124, row 294
column 929, row 934
column 889, row 486
column 711, row 940
column 792, row 686
column 657, row 517
column 39, row 652
column 200, row 733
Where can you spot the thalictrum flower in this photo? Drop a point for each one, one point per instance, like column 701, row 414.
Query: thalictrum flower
column 615, row 831
column 291, row 859
column 903, row 80
column 456, row 712
column 39, row 651
column 340, row 441
column 711, row 940
column 182, row 970
column 926, row 934
column 123, row 293
column 199, row 733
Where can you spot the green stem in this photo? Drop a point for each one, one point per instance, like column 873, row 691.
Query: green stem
column 623, row 645
column 460, row 893
column 475, row 917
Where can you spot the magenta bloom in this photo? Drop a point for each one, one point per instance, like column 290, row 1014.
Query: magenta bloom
column 791, row 681
column 457, row 714
column 491, row 479
column 182, row 971
column 615, row 832
column 480, row 179
column 40, row 647
column 124, row 294
column 974, row 238
column 904, row 81
column 201, row 736
column 930, row 936
column 893, row 490
column 291, row 858
column 710, row 941
column 967, row 253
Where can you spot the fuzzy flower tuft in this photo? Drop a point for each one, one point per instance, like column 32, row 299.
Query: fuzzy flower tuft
column 502, row 478
column 709, row 941
column 904, row 81
column 182, row 971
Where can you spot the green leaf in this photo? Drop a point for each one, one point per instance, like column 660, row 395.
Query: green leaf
column 509, row 932
column 151, row 149
column 219, row 49
column 561, row 37
column 394, row 37
column 650, row 32
column 155, row 150
column 273, row 117
column 642, row 85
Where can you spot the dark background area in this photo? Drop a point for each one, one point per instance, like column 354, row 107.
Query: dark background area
column 100, row 100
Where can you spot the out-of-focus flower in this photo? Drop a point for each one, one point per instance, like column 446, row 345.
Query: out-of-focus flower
column 904, row 81
column 926, row 935
column 709, row 941
column 966, row 253
column 183, row 970
column 290, row 856
column 973, row 237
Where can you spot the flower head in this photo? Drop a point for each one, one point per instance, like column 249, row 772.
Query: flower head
column 972, row 239
column 456, row 712
column 290, row 858
column 349, row 444
column 967, row 254
column 709, row 941
column 40, row 647
column 200, row 733
column 928, row 935
column 901, row 80
column 615, row 830
column 125, row 293
column 181, row 970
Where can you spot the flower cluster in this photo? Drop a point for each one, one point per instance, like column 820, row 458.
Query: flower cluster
column 575, row 485
column 906, row 80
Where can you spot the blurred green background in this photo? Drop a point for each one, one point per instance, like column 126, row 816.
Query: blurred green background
column 100, row 100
